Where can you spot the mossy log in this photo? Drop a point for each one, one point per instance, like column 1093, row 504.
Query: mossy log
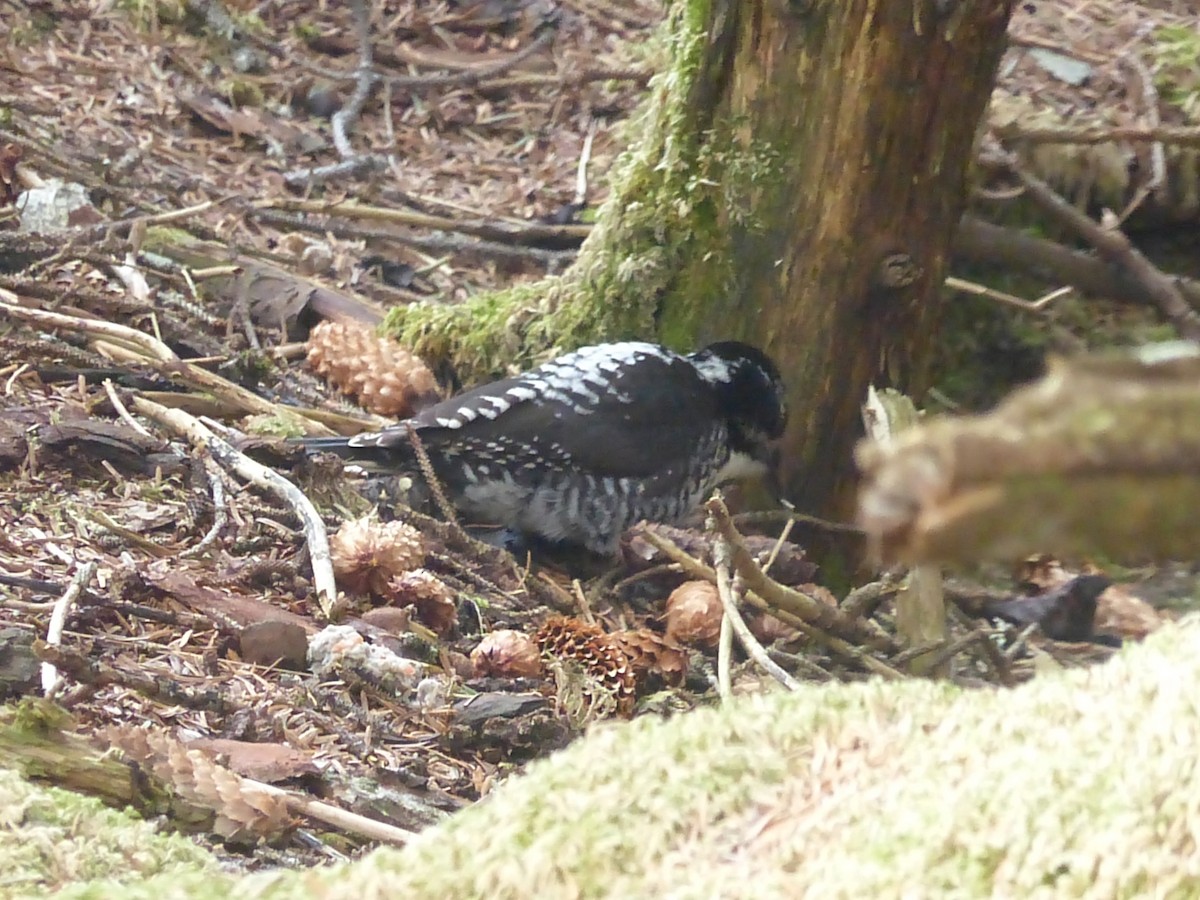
column 884, row 789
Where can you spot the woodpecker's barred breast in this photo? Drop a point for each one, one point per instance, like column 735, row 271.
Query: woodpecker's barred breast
column 586, row 445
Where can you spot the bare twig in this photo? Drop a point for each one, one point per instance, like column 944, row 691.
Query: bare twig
column 725, row 649
column 980, row 241
column 999, row 663
column 1020, row 40
column 760, row 518
column 494, row 229
column 162, row 358
column 1156, row 172
column 121, row 334
column 727, row 591
column 339, row 818
column 780, row 597
column 364, row 78
column 862, row 601
column 982, row 290
column 216, row 484
column 779, row 542
column 581, row 171
column 430, row 476
column 129, row 420
column 353, row 167
column 476, row 75
column 58, row 621
column 604, row 13
column 942, row 655
column 450, row 243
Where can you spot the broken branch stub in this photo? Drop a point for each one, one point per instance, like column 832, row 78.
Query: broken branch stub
column 1102, row 455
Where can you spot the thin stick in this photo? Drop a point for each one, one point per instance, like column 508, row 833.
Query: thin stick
column 581, row 181
column 58, row 621
column 220, row 511
column 585, row 608
column 345, row 117
column 119, row 333
column 1146, row 93
column 267, row 479
column 724, row 660
column 339, row 818
column 129, row 420
column 737, row 625
column 493, row 229
column 474, row 76
column 981, row 290
column 783, row 536
column 12, row 379
column 1110, row 243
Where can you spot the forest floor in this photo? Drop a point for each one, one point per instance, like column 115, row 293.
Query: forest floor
column 170, row 588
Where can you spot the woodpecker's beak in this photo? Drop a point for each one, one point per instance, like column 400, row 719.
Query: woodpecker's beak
column 771, row 479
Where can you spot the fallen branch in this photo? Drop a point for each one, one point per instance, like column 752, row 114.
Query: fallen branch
column 220, row 510
column 450, row 243
column 1101, row 456
column 1110, row 243
column 345, row 117
column 847, row 651
column 789, row 599
column 1140, row 134
column 502, row 230
column 144, row 348
column 267, row 479
column 475, row 75
column 921, row 604
column 977, row 241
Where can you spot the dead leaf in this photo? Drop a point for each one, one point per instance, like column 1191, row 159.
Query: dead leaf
column 271, row 763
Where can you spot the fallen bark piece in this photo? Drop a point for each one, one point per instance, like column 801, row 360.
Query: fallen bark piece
column 1099, row 456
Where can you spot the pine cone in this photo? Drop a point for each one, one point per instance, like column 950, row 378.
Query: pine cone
column 368, row 553
column 380, row 374
column 694, row 614
column 596, row 652
column 429, row 595
column 507, row 654
column 655, row 659
column 243, row 810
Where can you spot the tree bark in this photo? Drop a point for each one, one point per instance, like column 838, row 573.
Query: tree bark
column 862, row 115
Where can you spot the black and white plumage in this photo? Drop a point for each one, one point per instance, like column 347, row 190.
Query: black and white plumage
column 586, row 445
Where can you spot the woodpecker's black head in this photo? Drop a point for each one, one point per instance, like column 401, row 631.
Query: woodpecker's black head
column 750, row 393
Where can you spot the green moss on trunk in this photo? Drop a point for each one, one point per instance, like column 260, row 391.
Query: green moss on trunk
column 663, row 210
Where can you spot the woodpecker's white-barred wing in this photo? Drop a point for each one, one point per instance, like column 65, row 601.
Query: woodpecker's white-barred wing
column 623, row 410
column 586, row 445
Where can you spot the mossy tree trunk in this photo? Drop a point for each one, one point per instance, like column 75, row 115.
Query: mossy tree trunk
column 794, row 181
column 865, row 115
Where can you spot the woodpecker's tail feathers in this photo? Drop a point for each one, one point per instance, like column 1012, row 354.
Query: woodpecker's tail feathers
column 372, row 458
